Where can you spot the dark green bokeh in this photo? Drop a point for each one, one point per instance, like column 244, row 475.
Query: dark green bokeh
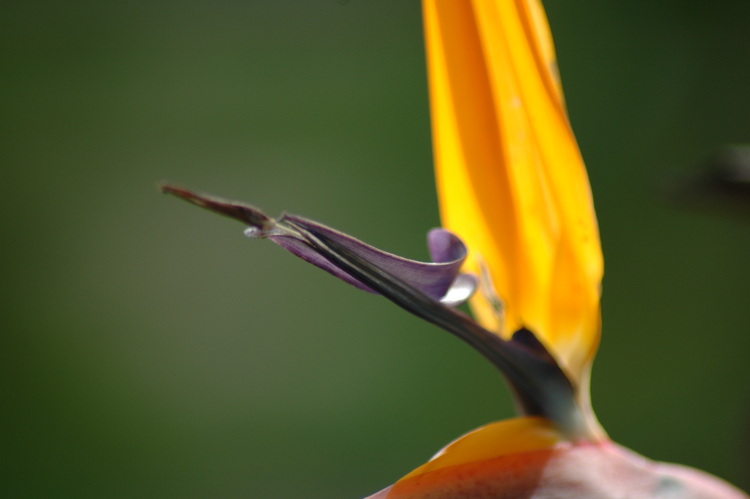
column 149, row 350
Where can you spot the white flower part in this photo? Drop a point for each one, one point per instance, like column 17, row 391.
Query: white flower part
column 462, row 289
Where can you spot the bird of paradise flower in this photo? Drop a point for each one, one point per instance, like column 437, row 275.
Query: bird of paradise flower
column 520, row 240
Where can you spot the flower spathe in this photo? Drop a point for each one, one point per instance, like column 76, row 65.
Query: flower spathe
column 526, row 458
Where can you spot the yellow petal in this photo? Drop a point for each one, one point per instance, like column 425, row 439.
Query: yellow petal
column 511, row 180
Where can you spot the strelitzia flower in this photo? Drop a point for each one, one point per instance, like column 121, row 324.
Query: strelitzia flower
column 520, row 240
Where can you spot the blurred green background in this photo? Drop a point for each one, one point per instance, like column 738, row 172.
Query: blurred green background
column 149, row 350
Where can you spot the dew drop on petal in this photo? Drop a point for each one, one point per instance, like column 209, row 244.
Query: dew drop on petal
column 254, row 232
column 460, row 291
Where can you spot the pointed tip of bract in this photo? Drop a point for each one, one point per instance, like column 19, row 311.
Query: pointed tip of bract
column 242, row 212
